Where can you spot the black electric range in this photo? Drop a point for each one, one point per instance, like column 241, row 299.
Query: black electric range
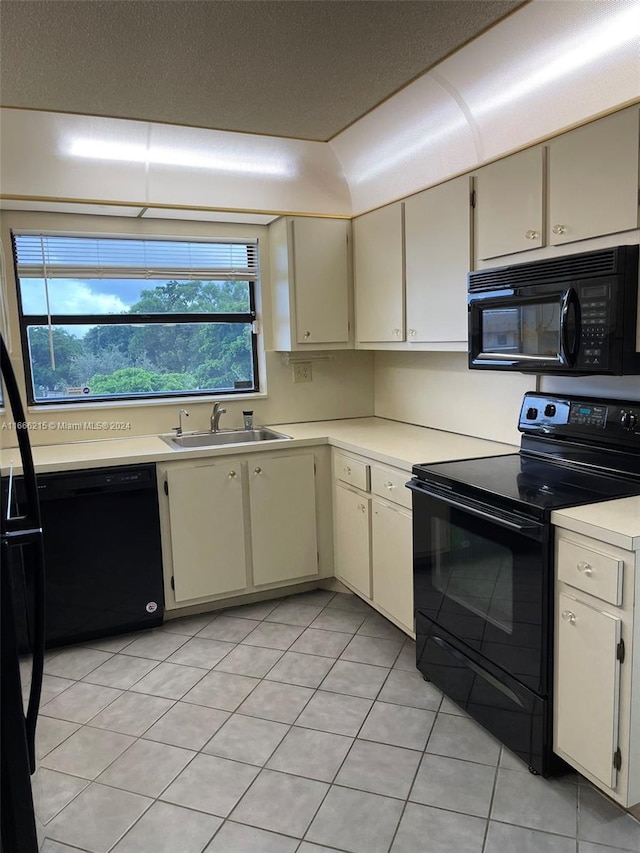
column 483, row 559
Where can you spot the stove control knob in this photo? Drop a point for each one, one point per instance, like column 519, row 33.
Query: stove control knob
column 549, row 410
column 532, row 414
column 628, row 420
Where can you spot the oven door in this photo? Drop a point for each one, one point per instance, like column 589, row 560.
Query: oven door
column 527, row 329
column 483, row 575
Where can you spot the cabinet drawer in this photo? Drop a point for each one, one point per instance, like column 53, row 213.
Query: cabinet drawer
column 390, row 484
column 351, row 471
column 592, row 571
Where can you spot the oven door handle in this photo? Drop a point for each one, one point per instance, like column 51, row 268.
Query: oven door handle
column 528, row 528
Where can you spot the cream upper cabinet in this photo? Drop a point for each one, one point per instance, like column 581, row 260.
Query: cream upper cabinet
column 596, row 673
column 593, row 179
column 207, row 525
column 438, row 258
column 379, row 275
column 509, row 205
column 283, row 517
column 310, row 283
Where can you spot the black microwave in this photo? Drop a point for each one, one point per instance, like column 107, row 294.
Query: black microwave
column 571, row 315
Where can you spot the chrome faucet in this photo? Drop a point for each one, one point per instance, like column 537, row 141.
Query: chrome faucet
column 216, row 414
column 178, row 429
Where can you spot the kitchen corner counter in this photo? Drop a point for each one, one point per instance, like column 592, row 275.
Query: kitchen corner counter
column 389, row 442
column 396, row 443
column 615, row 522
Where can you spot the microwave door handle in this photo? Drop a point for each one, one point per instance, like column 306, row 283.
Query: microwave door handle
column 569, row 349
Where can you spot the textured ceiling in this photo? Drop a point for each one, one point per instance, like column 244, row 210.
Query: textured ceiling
column 298, row 68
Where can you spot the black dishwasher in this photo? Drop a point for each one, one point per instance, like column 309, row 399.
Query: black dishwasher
column 103, row 560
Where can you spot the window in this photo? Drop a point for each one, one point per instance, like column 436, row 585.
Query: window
column 106, row 318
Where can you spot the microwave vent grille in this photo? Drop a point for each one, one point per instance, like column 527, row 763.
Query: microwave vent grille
column 586, row 265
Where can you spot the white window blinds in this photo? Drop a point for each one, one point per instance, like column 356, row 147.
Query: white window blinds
column 55, row 256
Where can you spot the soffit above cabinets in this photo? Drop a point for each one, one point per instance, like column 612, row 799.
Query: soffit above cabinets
column 545, row 68
column 298, row 69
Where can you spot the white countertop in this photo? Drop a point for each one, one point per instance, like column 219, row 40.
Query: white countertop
column 616, row 522
column 389, row 442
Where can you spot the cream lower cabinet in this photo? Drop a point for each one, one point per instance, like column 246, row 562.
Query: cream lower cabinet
column 237, row 525
column 373, row 535
column 597, row 695
column 352, row 539
column 283, row 512
column 392, row 559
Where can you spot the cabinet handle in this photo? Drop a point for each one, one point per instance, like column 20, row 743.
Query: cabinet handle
column 362, row 508
column 531, row 234
column 568, row 616
column 396, row 332
column 232, row 474
column 307, row 335
column 559, row 229
column 347, row 470
column 389, row 485
column 257, row 470
column 585, row 568
column 412, row 333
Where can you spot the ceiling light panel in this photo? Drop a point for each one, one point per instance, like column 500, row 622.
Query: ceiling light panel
column 582, row 61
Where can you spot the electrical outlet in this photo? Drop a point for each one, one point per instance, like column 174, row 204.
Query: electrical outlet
column 302, row 372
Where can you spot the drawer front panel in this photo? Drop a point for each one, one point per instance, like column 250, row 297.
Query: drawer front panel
column 351, row 471
column 390, row 484
column 597, row 572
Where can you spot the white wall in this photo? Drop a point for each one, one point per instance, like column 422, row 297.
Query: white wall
column 342, row 386
column 438, row 390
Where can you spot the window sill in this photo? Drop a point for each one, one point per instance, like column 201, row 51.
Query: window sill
column 103, row 405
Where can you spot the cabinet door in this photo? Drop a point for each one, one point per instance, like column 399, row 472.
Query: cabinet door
column 207, row 530
column 593, row 179
column 283, row 518
column 352, row 524
column 438, row 256
column 320, row 253
column 587, row 686
column 392, row 562
column 508, row 213
column 379, row 275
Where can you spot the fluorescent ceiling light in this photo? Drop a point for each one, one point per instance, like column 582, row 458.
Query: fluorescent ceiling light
column 230, row 163
column 622, row 28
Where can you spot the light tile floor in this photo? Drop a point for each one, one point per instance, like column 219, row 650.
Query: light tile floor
column 295, row 726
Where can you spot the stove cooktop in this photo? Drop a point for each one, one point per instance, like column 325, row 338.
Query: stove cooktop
column 536, row 484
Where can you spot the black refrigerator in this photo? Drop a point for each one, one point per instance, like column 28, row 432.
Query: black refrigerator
column 21, row 554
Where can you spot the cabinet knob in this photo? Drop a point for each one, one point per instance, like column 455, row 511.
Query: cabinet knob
column 389, row 485
column 531, row 234
column 257, row 470
column 232, row 474
column 362, row 507
column 347, row 470
column 559, row 229
column 412, row 333
column 585, row 568
column 307, row 335
column 569, row 616
column 396, row 332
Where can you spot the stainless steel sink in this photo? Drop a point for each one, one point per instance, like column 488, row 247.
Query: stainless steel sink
column 223, row 437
